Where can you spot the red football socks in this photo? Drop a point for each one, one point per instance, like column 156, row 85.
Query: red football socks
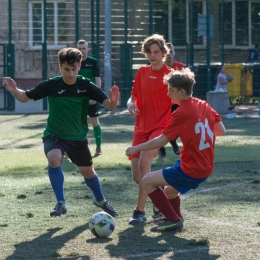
column 176, row 204
column 161, row 201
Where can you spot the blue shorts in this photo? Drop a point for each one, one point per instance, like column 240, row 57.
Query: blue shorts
column 175, row 177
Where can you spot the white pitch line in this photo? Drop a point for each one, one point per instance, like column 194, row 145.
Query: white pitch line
column 253, row 229
column 187, row 250
column 166, row 253
column 212, row 189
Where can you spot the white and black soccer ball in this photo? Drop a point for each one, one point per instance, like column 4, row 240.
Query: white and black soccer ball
column 101, row 224
column 229, row 77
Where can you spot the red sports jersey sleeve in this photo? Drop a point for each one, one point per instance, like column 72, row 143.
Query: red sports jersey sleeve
column 177, row 65
column 151, row 99
column 194, row 123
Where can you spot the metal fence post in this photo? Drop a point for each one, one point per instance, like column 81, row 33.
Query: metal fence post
column 76, row 3
column 11, row 74
column 191, row 54
column 44, row 52
column 151, row 17
column 208, row 44
column 107, row 58
column 126, row 72
column 10, row 59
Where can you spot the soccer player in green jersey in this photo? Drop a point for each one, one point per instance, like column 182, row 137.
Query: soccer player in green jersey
column 90, row 69
column 66, row 129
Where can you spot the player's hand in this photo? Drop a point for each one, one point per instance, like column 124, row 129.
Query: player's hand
column 133, row 109
column 9, row 84
column 114, row 94
column 92, row 102
column 130, row 150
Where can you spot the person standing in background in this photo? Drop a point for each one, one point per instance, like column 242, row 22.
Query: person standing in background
column 90, row 69
column 222, row 84
column 176, row 65
column 253, row 55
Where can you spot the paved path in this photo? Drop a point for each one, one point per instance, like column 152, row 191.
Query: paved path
column 245, row 111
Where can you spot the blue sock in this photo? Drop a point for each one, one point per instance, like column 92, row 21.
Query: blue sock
column 94, row 185
column 57, row 179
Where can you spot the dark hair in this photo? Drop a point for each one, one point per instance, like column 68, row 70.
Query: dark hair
column 155, row 38
column 69, row 55
column 169, row 45
column 257, row 46
column 181, row 79
column 218, row 71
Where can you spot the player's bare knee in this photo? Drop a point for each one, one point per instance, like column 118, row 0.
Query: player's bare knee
column 143, row 168
column 170, row 192
column 87, row 172
column 146, row 183
column 54, row 159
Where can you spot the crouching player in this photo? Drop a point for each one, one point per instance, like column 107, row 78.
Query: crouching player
column 197, row 125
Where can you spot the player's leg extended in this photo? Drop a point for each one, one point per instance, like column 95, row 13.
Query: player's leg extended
column 92, row 181
column 144, row 166
column 140, row 166
column 151, row 183
column 138, row 216
column 56, row 177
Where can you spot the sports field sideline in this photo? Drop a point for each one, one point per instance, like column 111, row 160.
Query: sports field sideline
column 35, row 107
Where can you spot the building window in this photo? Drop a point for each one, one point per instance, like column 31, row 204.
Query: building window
column 179, row 19
column 179, row 23
column 197, row 9
column 227, row 23
column 255, row 23
column 56, row 26
column 241, row 22
column 161, row 18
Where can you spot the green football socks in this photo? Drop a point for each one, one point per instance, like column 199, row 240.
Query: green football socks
column 98, row 136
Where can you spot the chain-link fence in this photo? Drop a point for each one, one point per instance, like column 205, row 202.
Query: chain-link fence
column 205, row 34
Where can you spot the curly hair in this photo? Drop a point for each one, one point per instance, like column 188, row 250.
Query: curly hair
column 159, row 40
column 69, row 55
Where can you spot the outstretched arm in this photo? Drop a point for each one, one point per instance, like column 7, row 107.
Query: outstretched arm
column 114, row 95
column 19, row 94
column 156, row 142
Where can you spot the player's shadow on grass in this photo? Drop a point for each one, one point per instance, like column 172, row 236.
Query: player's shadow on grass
column 135, row 242
column 46, row 246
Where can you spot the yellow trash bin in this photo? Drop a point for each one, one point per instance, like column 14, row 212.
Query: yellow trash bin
column 234, row 87
column 246, row 81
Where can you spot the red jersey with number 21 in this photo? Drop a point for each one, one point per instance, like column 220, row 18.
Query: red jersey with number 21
column 194, row 123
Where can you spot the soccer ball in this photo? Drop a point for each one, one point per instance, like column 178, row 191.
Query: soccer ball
column 101, row 224
column 229, row 77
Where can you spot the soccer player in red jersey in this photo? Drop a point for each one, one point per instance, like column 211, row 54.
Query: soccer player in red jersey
column 169, row 59
column 151, row 105
column 197, row 125
column 176, row 65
